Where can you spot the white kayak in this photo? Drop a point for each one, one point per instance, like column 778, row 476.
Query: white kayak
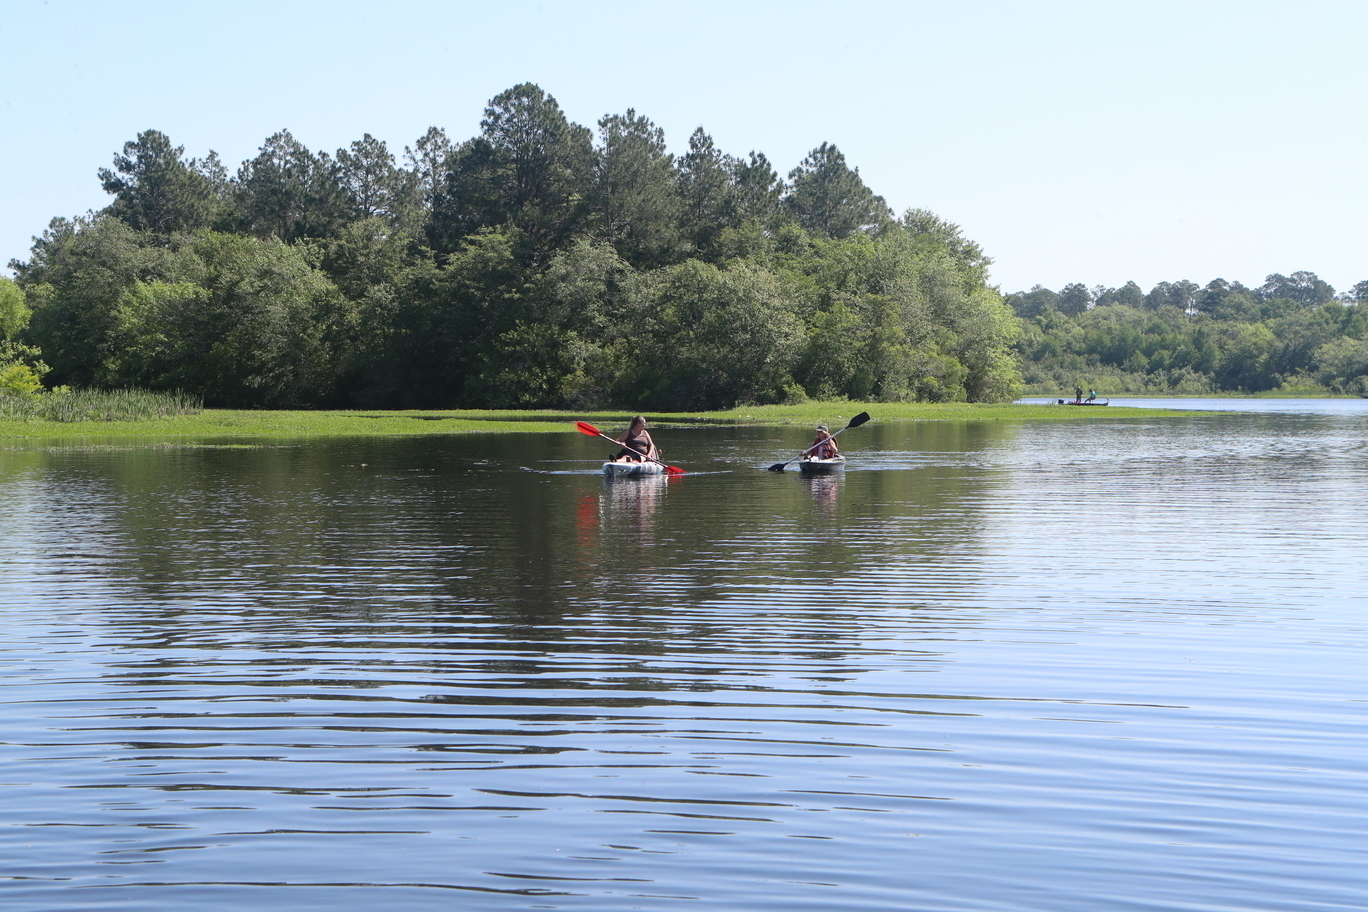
column 821, row 466
column 631, row 468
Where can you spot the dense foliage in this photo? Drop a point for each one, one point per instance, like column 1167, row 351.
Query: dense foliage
column 1293, row 334
column 537, row 264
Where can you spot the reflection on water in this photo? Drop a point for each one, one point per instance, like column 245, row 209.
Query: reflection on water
column 634, row 502
column 992, row 665
column 825, row 490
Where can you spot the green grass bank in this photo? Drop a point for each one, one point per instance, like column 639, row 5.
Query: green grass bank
column 248, row 426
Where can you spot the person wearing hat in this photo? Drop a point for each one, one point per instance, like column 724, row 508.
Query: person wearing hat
column 824, row 445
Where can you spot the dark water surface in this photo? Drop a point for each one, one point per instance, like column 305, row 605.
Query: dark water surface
column 1077, row 666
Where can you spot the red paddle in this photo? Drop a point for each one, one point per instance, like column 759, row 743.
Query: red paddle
column 585, row 427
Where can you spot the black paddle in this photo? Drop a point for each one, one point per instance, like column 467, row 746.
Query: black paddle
column 854, row 422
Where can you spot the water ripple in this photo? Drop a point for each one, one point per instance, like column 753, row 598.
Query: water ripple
column 1049, row 667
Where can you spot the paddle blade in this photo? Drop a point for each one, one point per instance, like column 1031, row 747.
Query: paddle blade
column 587, row 428
column 778, row 467
column 674, row 470
column 858, row 420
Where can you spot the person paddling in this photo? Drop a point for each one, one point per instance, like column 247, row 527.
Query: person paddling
column 824, row 444
column 637, row 445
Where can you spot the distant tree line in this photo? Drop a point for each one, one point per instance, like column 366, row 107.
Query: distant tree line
column 1293, row 333
column 537, row 264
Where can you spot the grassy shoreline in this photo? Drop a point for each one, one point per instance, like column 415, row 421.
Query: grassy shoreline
column 220, row 424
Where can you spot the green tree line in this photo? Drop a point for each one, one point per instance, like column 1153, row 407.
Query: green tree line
column 537, row 264
column 1293, row 333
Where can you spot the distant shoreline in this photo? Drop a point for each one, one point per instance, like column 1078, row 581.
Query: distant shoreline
column 237, row 425
column 1264, row 395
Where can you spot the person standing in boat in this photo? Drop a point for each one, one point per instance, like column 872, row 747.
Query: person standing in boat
column 1078, row 394
column 824, row 445
column 637, row 445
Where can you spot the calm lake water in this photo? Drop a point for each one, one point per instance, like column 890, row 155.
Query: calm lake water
column 1092, row 665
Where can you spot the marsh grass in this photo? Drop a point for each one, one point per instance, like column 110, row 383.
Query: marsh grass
column 836, row 414
column 165, row 423
column 72, row 406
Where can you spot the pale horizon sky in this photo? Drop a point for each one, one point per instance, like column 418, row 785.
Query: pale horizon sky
column 1094, row 142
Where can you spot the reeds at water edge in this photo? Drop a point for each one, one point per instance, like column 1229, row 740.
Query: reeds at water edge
column 98, row 405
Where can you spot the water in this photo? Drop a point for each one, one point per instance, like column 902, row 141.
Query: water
column 1343, row 407
column 1030, row 666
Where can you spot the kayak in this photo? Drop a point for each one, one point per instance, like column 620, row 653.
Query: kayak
column 630, row 469
column 821, row 466
column 1080, row 402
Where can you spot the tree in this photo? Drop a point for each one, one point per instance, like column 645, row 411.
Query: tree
column 1246, row 360
column 367, row 174
column 1128, row 295
column 590, row 289
column 1301, row 334
column 1211, row 298
column 959, row 332
column 427, row 159
column 708, row 197
column 1180, row 295
column 560, row 353
column 217, row 176
column 552, row 276
column 530, row 169
column 725, row 336
column 1234, row 304
column 1342, row 365
column 1033, row 303
column 21, row 367
column 635, row 204
column 368, row 257
column 262, row 331
column 156, row 190
column 829, row 198
column 161, row 336
column 832, row 365
column 14, row 310
column 78, row 271
column 759, row 191
column 447, row 320
column 1304, row 288
column 288, row 192
column 910, row 314
column 935, row 231
column 1074, row 299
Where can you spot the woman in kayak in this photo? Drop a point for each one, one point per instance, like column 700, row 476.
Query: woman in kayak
column 824, row 445
column 637, row 445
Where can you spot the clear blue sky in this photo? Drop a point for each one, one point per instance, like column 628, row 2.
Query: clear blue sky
column 1095, row 142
